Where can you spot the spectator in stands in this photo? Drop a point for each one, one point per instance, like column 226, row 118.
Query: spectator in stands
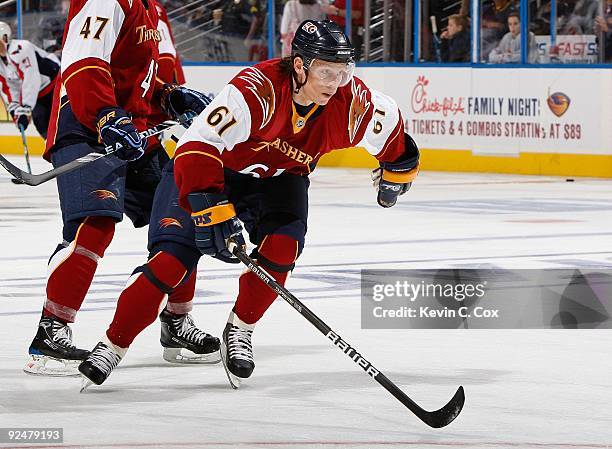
column 337, row 13
column 294, row 13
column 456, row 40
column 603, row 24
column 582, row 18
column 494, row 19
column 245, row 19
column 509, row 48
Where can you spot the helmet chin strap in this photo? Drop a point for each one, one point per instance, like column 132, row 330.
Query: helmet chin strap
column 298, row 85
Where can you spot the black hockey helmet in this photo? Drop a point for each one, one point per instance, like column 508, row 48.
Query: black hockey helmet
column 324, row 40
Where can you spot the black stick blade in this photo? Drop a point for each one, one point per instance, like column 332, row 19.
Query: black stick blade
column 447, row 414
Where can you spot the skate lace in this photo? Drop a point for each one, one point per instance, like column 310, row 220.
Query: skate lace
column 62, row 334
column 104, row 358
column 190, row 332
column 239, row 343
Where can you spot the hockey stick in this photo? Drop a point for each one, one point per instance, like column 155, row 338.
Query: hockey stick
column 26, row 154
column 438, row 418
column 34, row 180
column 436, row 39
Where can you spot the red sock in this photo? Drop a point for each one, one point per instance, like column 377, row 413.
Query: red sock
column 139, row 302
column 180, row 300
column 72, row 269
column 254, row 296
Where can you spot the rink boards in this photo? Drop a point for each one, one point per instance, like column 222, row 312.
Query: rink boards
column 525, row 121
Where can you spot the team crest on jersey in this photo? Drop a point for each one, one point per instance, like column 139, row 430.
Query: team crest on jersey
column 287, row 149
column 105, row 194
column 167, row 222
column 359, row 107
column 145, row 34
column 262, row 87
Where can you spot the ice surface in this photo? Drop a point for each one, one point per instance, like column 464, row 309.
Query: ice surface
column 524, row 389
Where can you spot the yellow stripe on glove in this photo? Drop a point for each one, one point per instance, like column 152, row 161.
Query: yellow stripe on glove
column 401, row 177
column 213, row 215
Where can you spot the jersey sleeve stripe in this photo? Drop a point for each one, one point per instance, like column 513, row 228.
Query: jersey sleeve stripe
column 86, row 68
column 200, row 153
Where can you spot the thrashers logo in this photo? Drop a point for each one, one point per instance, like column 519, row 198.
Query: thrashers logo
column 262, row 87
column 105, row 194
column 167, row 222
column 358, row 110
column 558, row 103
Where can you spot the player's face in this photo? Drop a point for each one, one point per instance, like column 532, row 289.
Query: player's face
column 2, row 47
column 324, row 78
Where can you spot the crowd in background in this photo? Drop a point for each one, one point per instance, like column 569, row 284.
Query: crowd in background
column 237, row 30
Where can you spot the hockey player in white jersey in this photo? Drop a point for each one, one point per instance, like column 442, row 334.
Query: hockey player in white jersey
column 29, row 73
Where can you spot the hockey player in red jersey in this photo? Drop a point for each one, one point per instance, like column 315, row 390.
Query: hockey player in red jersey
column 103, row 98
column 170, row 67
column 247, row 158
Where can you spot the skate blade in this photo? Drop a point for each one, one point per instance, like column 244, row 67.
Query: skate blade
column 42, row 365
column 85, row 383
column 185, row 356
column 233, row 380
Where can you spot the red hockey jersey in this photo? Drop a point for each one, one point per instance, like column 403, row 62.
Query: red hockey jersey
column 109, row 58
column 253, row 127
column 170, row 69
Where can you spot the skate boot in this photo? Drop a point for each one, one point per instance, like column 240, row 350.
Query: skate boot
column 52, row 352
column 183, row 342
column 236, row 350
column 100, row 363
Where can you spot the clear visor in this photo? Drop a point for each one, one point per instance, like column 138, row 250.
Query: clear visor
column 331, row 73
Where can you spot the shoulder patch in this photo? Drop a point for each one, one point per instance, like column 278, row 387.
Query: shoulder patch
column 359, row 108
column 262, row 87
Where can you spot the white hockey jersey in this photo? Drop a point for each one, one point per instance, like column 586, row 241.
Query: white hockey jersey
column 10, row 81
column 36, row 70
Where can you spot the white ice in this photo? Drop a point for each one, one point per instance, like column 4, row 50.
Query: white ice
column 524, row 388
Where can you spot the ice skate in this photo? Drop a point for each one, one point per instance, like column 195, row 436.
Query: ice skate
column 52, row 352
column 183, row 342
column 100, row 363
column 237, row 350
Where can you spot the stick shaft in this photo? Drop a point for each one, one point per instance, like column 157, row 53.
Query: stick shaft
column 26, row 153
column 438, row 418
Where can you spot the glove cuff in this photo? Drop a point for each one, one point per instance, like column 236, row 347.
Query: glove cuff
column 164, row 95
column 203, row 200
column 401, row 177
column 214, row 215
column 109, row 114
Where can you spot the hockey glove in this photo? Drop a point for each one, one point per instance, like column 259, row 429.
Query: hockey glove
column 12, row 107
column 22, row 117
column 215, row 222
column 393, row 179
column 182, row 104
column 117, row 130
